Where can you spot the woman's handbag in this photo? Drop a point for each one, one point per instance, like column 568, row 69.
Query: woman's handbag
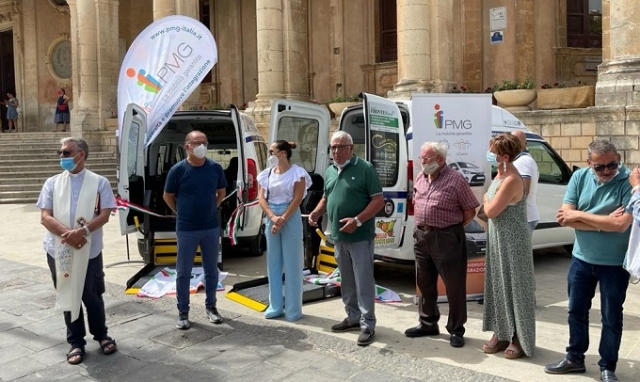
column 482, row 215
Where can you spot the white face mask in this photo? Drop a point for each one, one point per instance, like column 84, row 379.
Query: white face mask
column 200, row 151
column 608, row 179
column 429, row 168
column 272, row 161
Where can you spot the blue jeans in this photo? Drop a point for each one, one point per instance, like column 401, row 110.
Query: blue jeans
column 582, row 280
column 188, row 242
column 358, row 286
column 94, row 288
column 284, row 250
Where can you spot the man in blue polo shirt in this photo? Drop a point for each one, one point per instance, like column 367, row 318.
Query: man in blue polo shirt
column 594, row 205
column 352, row 197
column 194, row 189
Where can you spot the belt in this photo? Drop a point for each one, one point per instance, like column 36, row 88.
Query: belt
column 432, row 228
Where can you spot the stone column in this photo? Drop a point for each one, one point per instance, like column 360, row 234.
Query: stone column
column 295, row 50
column 163, row 8
column 108, row 57
column 84, row 114
column 617, row 108
column 414, row 50
column 269, row 15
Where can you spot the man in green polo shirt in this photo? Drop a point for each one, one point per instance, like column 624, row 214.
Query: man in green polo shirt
column 352, row 197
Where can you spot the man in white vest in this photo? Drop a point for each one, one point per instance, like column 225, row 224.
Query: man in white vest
column 75, row 205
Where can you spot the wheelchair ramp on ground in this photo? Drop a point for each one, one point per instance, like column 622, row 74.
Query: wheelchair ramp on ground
column 254, row 294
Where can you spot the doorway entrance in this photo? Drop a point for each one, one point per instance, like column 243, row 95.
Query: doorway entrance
column 7, row 73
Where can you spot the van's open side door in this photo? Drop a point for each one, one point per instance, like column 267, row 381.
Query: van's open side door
column 130, row 172
column 386, row 149
column 242, row 176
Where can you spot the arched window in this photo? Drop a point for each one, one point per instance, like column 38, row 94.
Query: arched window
column 584, row 23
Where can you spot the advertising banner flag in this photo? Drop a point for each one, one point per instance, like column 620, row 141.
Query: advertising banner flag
column 163, row 66
column 462, row 122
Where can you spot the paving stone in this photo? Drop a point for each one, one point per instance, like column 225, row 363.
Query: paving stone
column 369, row 375
column 201, row 372
column 292, row 359
column 154, row 372
column 269, row 373
column 13, row 370
column 209, row 349
column 34, row 341
column 52, row 356
column 234, row 359
column 180, row 339
column 149, row 351
column 112, row 367
column 48, row 325
column 13, row 352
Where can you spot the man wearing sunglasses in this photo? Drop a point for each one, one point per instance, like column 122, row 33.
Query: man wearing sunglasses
column 75, row 205
column 594, row 205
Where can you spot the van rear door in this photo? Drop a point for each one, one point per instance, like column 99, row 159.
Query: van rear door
column 242, row 176
column 386, row 148
column 130, row 172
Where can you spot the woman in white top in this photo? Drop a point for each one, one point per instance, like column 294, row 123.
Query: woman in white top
column 282, row 188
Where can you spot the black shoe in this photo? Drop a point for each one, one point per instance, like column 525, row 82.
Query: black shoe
column 456, row 340
column 213, row 315
column 421, row 331
column 366, row 337
column 345, row 326
column 563, row 367
column 608, row 376
column 183, row 321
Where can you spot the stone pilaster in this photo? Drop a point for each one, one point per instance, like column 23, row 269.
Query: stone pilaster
column 108, row 56
column 84, row 114
column 618, row 86
column 414, row 52
column 163, row 8
column 295, row 50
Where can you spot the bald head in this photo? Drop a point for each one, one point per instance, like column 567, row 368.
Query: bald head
column 522, row 138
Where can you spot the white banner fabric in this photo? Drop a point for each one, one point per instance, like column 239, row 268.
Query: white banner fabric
column 163, row 66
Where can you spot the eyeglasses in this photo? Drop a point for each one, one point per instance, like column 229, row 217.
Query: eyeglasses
column 601, row 167
column 340, row 147
column 65, row 153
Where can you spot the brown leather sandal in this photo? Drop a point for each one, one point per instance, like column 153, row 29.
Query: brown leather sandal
column 494, row 346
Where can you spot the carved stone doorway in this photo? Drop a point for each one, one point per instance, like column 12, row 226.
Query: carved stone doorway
column 7, row 74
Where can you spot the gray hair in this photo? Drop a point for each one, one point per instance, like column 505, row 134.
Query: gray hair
column 440, row 148
column 601, row 146
column 342, row 135
column 80, row 144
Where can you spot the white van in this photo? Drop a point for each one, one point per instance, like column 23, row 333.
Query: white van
column 234, row 142
column 393, row 156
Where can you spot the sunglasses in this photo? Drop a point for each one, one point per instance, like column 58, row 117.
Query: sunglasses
column 64, row 153
column 601, row 167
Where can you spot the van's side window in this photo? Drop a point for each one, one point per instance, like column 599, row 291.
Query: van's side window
column 261, row 153
column 305, row 133
column 163, row 152
column 132, row 143
column 552, row 169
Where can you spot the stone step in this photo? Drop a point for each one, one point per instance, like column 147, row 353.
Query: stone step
column 36, row 184
column 53, row 167
column 8, row 154
column 38, row 162
column 35, row 145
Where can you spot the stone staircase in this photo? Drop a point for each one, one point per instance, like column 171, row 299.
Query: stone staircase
column 28, row 159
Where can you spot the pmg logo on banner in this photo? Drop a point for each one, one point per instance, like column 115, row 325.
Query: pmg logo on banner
column 441, row 122
column 162, row 68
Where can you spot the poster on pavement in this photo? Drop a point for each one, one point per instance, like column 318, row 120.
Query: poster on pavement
column 163, row 66
column 462, row 122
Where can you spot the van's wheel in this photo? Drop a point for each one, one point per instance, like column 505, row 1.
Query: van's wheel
column 257, row 245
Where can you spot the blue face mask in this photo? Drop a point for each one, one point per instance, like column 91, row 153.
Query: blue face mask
column 491, row 158
column 67, row 164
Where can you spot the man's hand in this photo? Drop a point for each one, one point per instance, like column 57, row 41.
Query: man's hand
column 313, row 218
column 74, row 238
column 564, row 216
column 350, row 225
column 617, row 213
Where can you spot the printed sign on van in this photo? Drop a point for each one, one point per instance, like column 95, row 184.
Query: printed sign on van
column 163, row 66
column 460, row 121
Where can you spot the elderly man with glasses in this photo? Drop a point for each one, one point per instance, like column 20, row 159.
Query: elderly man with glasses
column 594, row 205
column 352, row 198
column 75, row 204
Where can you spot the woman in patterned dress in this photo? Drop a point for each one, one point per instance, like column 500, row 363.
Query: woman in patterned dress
column 12, row 112
column 509, row 299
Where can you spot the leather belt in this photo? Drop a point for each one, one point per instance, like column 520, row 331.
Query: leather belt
column 426, row 228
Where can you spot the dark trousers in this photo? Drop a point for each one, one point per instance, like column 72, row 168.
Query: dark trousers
column 582, row 281
column 442, row 252
column 94, row 287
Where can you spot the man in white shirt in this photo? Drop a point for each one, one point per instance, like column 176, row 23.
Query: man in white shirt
column 528, row 169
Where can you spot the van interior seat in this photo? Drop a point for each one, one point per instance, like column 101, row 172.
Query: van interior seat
column 314, row 193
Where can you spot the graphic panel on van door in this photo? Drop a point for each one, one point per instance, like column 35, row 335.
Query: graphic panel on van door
column 385, row 145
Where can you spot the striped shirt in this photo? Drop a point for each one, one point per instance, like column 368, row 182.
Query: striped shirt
column 442, row 202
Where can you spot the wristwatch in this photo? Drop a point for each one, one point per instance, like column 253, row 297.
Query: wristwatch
column 358, row 222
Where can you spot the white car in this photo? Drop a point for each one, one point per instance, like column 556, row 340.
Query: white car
column 472, row 173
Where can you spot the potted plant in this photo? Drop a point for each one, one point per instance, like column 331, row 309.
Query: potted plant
column 515, row 95
column 566, row 96
column 339, row 103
